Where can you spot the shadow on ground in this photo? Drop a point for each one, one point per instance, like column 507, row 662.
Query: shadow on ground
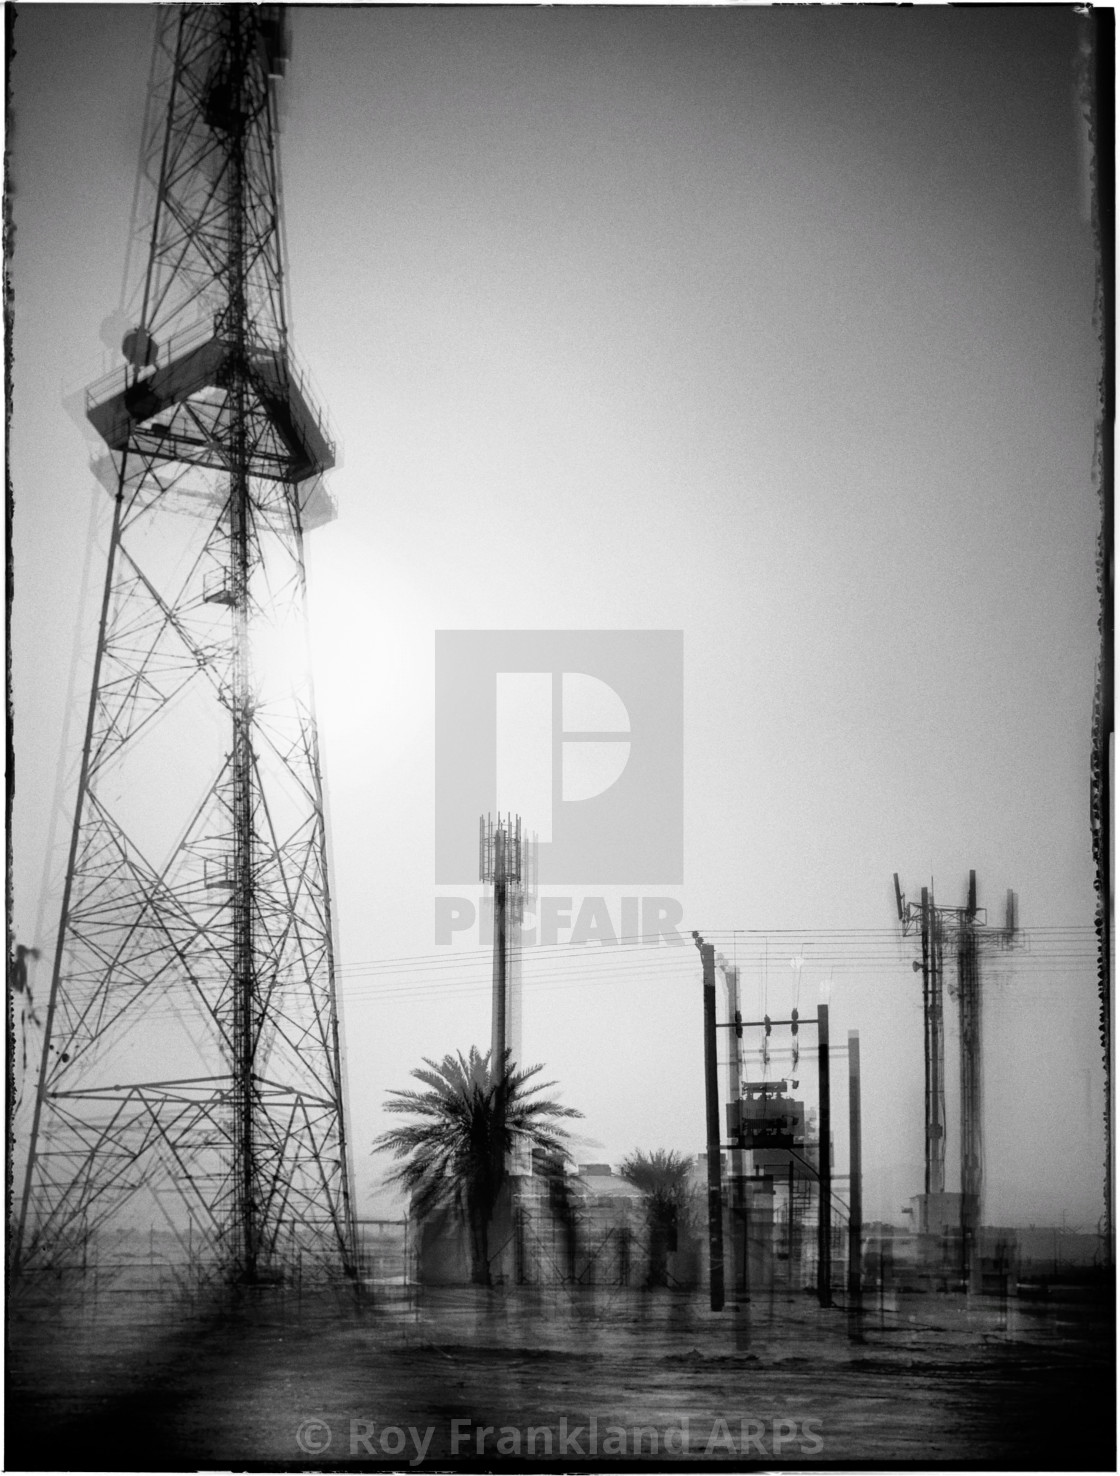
column 560, row 1379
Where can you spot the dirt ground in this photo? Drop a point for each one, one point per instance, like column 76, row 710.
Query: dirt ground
column 563, row 1379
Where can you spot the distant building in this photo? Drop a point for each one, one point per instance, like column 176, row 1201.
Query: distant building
column 555, row 1227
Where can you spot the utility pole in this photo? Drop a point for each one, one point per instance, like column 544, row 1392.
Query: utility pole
column 855, row 1178
column 929, row 920
column 740, row 1243
column 966, row 930
column 824, row 1220
column 711, row 1098
column 971, row 1125
column 970, row 935
column 783, row 1136
column 926, row 1062
column 735, row 1054
column 934, row 1014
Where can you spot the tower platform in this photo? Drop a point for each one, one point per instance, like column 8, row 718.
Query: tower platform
column 173, row 413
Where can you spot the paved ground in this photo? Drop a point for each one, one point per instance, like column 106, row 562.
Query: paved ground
column 604, row 1380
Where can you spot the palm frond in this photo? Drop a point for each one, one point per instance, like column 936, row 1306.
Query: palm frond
column 470, row 1117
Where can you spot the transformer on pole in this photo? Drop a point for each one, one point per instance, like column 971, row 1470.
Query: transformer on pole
column 191, row 1073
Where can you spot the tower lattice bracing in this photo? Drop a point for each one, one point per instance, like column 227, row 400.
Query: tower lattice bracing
column 191, row 1074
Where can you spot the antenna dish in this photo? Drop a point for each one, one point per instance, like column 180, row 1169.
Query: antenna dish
column 139, row 348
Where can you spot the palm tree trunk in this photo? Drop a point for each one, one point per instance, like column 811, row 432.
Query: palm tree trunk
column 480, row 1246
column 658, row 1255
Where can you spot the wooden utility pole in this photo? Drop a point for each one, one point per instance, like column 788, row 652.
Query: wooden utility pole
column 824, row 1217
column 968, row 1004
column 740, row 1247
column 855, row 1182
column 927, row 1185
column 711, row 1095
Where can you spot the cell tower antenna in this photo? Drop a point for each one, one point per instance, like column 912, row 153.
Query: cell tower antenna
column 191, row 1070
column 508, row 863
column 965, row 930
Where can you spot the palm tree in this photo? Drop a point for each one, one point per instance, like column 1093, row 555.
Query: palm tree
column 471, row 1119
column 662, row 1176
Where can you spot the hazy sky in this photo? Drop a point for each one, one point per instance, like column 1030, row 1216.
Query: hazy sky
column 770, row 326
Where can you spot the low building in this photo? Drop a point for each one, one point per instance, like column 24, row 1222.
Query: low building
column 553, row 1226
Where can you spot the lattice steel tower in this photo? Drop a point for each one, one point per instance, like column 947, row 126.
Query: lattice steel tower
column 191, row 1071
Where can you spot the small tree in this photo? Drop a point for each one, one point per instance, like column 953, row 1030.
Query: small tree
column 471, row 1120
column 662, row 1177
